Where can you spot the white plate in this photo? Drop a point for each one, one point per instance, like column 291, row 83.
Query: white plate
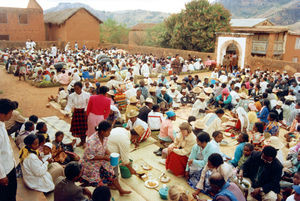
column 224, row 143
column 146, row 167
column 227, row 134
column 154, row 181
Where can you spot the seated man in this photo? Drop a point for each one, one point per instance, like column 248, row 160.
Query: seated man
column 66, row 189
column 264, row 170
column 224, row 191
column 16, row 121
column 61, row 98
column 134, row 124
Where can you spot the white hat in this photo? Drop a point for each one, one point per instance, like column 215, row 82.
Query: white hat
column 208, row 90
column 290, row 97
column 173, row 87
column 152, row 89
column 197, row 90
column 297, row 74
column 133, row 99
column 279, row 103
column 111, row 92
column 164, row 89
column 149, row 100
column 132, row 113
column 199, row 124
column 202, row 96
column 48, row 144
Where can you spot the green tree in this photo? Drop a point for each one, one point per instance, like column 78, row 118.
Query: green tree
column 112, row 32
column 194, row 27
column 154, row 35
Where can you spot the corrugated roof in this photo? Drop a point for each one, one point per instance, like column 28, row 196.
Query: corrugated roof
column 251, row 22
column 59, row 17
column 262, row 29
column 142, row 26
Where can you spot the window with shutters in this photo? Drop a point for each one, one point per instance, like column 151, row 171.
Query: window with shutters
column 23, row 19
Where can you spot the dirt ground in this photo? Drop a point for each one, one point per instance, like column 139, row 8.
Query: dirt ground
column 31, row 100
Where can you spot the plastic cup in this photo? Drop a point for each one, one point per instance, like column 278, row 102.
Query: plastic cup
column 114, row 159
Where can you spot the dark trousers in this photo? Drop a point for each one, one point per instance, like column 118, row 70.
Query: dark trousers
column 14, row 128
column 225, row 106
column 8, row 193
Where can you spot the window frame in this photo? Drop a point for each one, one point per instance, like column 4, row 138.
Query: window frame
column 5, row 35
column 26, row 18
column 297, row 43
column 5, row 13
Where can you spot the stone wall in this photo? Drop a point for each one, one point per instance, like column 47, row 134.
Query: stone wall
column 272, row 64
column 159, row 52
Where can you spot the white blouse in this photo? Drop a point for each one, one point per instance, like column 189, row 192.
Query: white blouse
column 36, row 175
column 77, row 101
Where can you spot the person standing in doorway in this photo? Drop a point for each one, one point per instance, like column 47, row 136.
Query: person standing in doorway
column 8, row 179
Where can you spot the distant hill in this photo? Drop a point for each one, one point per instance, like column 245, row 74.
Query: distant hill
column 280, row 12
column 128, row 17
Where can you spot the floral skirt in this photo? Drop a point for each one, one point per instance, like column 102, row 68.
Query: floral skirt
column 194, row 178
column 106, row 177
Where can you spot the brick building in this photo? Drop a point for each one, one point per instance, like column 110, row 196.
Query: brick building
column 138, row 33
column 292, row 47
column 21, row 24
column 257, row 38
column 75, row 24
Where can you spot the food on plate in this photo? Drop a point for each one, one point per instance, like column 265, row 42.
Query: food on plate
column 165, row 179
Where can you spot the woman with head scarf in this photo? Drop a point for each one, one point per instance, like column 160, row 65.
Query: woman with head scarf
column 224, row 100
column 35, row 171
column 252, row 116
column 241, row 121
column 167, row 133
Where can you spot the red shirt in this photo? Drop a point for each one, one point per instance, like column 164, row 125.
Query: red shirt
column 99, row 105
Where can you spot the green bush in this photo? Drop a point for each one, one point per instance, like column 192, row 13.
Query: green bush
column 44, row 84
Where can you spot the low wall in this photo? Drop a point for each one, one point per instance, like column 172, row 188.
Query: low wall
column 21, row 44
column 132, row 49
column 47, row 44
column 159, row 52
column 272, row 64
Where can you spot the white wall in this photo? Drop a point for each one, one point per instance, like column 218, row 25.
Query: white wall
column 221, row 51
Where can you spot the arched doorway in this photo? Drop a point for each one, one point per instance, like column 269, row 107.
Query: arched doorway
column 230, row 46
column 231, row 57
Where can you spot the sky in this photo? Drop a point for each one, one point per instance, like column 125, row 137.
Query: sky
column 169, row 6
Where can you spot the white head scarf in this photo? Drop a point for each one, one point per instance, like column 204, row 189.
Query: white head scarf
column 243, row 117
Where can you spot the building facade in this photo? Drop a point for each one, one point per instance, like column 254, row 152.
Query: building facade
column 292, row 47
column 21, row 24
column 70, row 25
column 257, row 38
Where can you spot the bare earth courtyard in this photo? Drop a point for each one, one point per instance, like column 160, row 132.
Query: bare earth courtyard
column 33, row 100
